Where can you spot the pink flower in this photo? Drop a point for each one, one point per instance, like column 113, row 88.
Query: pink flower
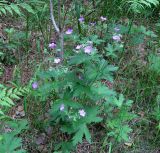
column 82, row 112
column 81, row 19
column 117, row 37
column 35, row 85
column 69, row 31
column 62, row 107
column 52, row 45
column 88, row 49
column 103, row 18
column 57, row 60
column 78, row 47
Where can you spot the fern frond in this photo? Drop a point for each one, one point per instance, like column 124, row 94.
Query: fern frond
column 138, row 5
column 14, row 8
column 8, row 95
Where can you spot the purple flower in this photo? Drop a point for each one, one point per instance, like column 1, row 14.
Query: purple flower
column 116, row 29
column 35, row 85
column 81, row 19
column 117, row 37
column 78, row 47
column 61, row 107
column 69, row 31
column 52, row 45
column 82, row 112
column 57, row 60
column 103, row 18
column 88, row 49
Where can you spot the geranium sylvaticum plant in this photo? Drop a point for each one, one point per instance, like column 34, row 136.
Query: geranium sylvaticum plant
column 83, row 97
column 81, row 94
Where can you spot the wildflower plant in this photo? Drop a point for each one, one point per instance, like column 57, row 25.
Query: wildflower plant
column 82, row 97
column 76, row 86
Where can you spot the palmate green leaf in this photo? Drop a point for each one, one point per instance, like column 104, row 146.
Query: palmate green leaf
column 66, row 147
column 102, row 90
column 69, row 103
column 87, row 134
column 118, row 124
column 80, row 90
column 110, row 51
column 55, row 73
column 120, row 133
column 107, row 72
column 45, row 90
column 111, row 68
column 78, row 136
column 92, row 115
column 79, row 58
column 125, row 115
column 9, row 142
column 123, row 132
column 82, row 131
column 99, row 70
column 119, row 102
column 92, row 71
column 96, row 40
